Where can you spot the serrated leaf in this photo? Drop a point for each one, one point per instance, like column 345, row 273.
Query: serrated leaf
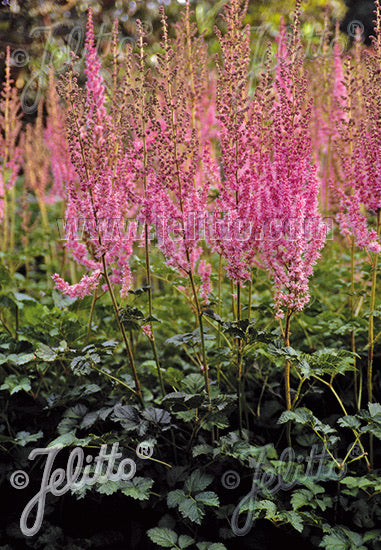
column 175, row 497
column 211, row 546
column 349, row 422
column 374, row 409
column 162, row 536
column 194, row 383
column 334, row 542
column 300, row 416
column 191, row 510
column 294, row 518
column 137, row 488
column 300, row 498
column 209, row 498
column 156, row 416
column 15, row 384
column 64, row 440
column 45, row 353
column 185, row 541
column 202, row 449
column 109, row 487
column 21, row 358
column 197, row 481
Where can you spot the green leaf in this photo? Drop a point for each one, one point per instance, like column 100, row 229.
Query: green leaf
column 194, row 383
column 15, row 384
column 211, row 546
column 185, row 541
column 202, row 449
column 300, row 416
column 190, row 509
column 349, row 422
column 21, row 358
column 23, row 438
column 181, row 400
column 267, row 505
column 357, row 482
column 372, row 535
column 137, row 488
column 64, row 440
column 334, row 542
column 294, row 518
column 20, row 298
column 209, row 498
column 374, row 409
column 45, row 353
column 197, row 481
column 175, row 497
column 61, row 300
column 301, row 497
column 305, row 368
column 156, row 416
column 162, row 536
column 108, row 487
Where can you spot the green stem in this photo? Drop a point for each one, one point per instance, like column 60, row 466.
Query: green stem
column 356, row 433
column 371, row 332
column 250, row 298
column 199, row 315
column 288, row 364
column 371, row 317
column 123, row 332
column 219, row 307
column 113, row 378
column 353, row 338
column 287, row 369
column 240, row 384
column 91, row 315
column 146, row 228
column 150, row 308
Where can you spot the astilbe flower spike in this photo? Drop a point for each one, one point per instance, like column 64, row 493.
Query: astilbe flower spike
column 293, row 231
column 238, row 198
column 357, row 188
column 104, row 194
column 62, row 169
column 11, row 138
column 178, row 191
column 37, row 163
column 368, row 185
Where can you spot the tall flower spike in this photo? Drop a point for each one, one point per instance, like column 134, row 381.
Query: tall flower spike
column 104, row 195
column 235, row 235
column 10, row 153
column 94, row 85
column 176, row 194
column 293, row 230
column 64, row 175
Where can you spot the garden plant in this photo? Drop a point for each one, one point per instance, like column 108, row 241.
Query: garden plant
column 189, row 282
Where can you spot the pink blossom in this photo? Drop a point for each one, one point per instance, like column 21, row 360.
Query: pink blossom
column 147, row 329
column 86, row 285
